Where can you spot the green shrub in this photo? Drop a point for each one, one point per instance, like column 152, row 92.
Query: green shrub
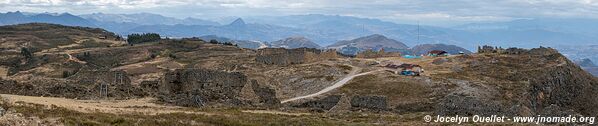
column 141, row 38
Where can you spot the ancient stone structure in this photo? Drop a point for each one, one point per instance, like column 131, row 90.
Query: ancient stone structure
column 267, row 95
column 377, row 54
column 198, row 87
column 369, row 102
column 323, row 104
column 517, row 51
column 281, row 56
column 454, row 104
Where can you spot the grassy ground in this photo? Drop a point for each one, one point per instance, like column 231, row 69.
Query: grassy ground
column 221, row 117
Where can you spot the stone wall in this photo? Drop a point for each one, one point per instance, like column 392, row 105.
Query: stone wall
column 266, row 94
column 323, row 104
column 281, row 56
column 369, row 102
column 199, row 87
column 377, row 54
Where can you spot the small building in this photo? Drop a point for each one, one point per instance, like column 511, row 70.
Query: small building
column 405, row 69
column 437, row 53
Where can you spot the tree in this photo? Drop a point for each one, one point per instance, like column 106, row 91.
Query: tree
column 141, row 38
column 65, row 74
column 214, row 41
column 26, row 53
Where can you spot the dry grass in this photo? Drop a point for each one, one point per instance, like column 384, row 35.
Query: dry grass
column 224, row 117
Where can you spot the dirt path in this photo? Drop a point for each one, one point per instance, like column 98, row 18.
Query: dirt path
column 336, row 85
column 141, row 106
column 274, row 112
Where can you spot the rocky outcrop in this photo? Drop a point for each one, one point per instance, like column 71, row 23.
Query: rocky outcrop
column 565, row 86
column 199, row 87
column 323, row 104
column 369, row 102
column 535, row 81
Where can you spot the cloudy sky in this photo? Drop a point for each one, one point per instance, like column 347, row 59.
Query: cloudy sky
column 434, row 12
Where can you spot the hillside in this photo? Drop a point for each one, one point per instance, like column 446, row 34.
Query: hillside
column 194, row 82
column 373, row 42
column 294, row 42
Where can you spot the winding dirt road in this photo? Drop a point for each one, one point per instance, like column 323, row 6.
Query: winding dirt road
column 336, row 85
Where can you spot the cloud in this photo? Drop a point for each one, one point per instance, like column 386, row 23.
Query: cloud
column 455, row 10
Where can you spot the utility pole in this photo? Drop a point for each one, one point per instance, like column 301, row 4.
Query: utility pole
column 418, row 32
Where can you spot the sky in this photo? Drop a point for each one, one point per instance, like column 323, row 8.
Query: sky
column 430, row 12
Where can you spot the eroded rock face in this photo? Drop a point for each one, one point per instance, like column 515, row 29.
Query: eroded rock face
column 199, row 87
column 323, row 104
column 369, row 102
column 566, row 87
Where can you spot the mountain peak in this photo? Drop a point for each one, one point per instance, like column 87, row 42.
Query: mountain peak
column 295, row 42
column 238, row 22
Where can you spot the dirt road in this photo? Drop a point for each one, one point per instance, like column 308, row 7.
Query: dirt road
column 336, row 85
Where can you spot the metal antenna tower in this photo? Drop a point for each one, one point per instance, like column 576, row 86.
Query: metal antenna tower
column 417, row 31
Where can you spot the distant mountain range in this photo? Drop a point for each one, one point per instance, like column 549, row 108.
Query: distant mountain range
column 294, row 42
column 145, row 19
column 63, row 19
column 326, row 30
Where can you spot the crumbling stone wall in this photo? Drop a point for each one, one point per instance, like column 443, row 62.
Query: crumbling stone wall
column 369, row 102
column 517, row 51
column 199, row 87
column 267, row 95
column 281, row 56
column 323, row 104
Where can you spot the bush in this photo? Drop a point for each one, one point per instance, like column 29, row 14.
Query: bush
column 213, row 41
column 141, row 38
column 65, row 74
column 26, row 52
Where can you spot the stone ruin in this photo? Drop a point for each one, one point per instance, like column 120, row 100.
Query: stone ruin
column 198, row 87
column 371, row 102
column 377, row 54
column 281, row 56
column 517, row 51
